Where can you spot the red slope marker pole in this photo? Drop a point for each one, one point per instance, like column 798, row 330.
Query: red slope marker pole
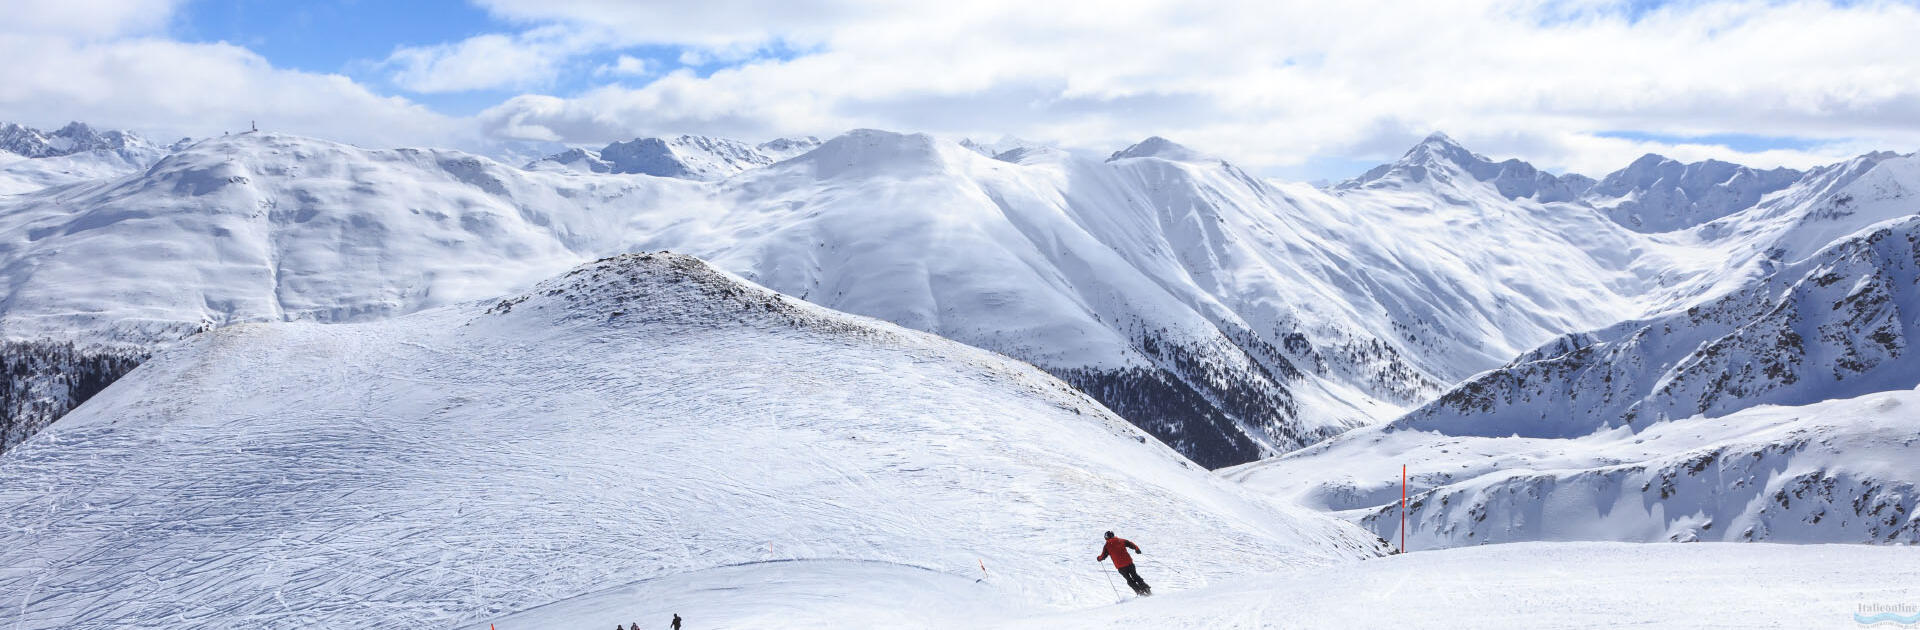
column 983, row 568
column 1403, row 508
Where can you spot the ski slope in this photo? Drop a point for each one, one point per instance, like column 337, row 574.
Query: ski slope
column 1574, row 586
column 643, row 417
column 1522, row 585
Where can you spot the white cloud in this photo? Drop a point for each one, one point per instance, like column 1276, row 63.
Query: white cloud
column 1280, row 86
column 625, row 66
column 1269, row 85
column 86, row 18
column 171, row 89
column 489, row 61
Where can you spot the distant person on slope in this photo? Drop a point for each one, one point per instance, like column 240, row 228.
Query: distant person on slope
column 676, row 621
column 1117, row 547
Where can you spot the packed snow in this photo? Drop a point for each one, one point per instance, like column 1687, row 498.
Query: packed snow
column 1522, row 585
column 1573, row 586
column 642, row 419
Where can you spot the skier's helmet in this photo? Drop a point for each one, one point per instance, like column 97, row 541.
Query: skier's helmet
column 1109, row 534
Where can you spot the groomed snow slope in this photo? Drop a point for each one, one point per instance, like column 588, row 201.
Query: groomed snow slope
column 1523, row 585
column 643, row 417
column 1543, row 586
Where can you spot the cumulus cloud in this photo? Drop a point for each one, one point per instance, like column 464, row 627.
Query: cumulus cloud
column 1273, row 85
column 490, row 61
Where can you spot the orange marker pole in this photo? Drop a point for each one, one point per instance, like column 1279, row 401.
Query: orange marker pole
column 1403, row 508
column 983, row 568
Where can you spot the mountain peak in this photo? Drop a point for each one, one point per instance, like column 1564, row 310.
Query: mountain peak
column 874, row 151
column 74, row 137
column 1440, row 158
column 1660, row 194
column 702, row 158
column 652, row 288
column 1440, row 147
column 1156, row 146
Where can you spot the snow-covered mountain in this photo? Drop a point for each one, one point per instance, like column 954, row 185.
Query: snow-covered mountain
column 1657, row 194
column 74, row 138
column 31, row 159
column 1446, row 162
column 1232, row 317
column 1170, row 289
column 685, row 157
column 1814, row 297
column 640, row 420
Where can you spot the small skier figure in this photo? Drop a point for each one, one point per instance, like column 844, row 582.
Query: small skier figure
column 676, row 621
column 1117, row 547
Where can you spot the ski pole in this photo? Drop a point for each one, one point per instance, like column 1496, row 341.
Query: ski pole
column 1116, row 590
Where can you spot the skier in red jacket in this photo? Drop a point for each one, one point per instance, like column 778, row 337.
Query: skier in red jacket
column 1117, row 547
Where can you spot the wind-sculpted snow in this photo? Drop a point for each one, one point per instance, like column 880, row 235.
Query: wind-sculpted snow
column 641, row 419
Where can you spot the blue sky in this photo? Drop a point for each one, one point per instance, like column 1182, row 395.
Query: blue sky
column 352, row 37
column 1294, row 90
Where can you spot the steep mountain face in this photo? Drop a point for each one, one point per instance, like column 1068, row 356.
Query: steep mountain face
column 1835, row 325
column 641, row 419
column 685, row 157
column 1657, row 194
column 31, row 159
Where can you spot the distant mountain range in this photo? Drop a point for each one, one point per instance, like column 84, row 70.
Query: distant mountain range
column 1233, row 317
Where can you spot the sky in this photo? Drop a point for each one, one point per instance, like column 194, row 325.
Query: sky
column 1294, row 90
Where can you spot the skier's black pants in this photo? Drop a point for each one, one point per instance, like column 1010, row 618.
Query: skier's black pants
column 1133, row 580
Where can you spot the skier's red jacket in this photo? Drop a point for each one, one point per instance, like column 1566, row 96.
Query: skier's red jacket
column 1117, row 547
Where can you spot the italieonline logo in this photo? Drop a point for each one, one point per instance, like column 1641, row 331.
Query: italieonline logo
column 1899, row 615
